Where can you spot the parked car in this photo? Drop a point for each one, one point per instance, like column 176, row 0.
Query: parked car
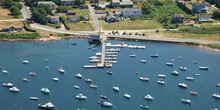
column 139, row 34
column 113, row 32
column 130, row 34
column 136, row 33
column 109, row 33
column 143, row 34
column 118, row 33
column 125, row 33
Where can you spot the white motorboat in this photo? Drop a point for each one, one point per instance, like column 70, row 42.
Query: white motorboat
column 174, row 72
column 161, row 75
column 14, row 89
column 106, row 103
column 34, row 98
column 88, row 80
column 218, row 85
column 109, row 72
column 144, row 78
column 148, row 97
column 169, row 64
column 7, row 84
column 98, row 54
column 216, row 95
column 144, row 106
column 76, row 87
column 161, row 82
column 173, row 60
column 203, row 68
column 116, row 88
column 56, row 79
column 25, row 79
column 32, row 73
column 94, row 57
column 196, row 74
column 81, row 97
column 187, row 101
column 182, row 85
column 47, row 106
column 93, row 86
column 143, row 61
column 133, row 55
column 46, row 60
column 4, row 71
column 127, row 96
column 183, row 68
column 25, row 61
column 61, row 70
column 78, row 75
column 189, row 78
column 45, row 90
column 179, row 57
column 47, row 67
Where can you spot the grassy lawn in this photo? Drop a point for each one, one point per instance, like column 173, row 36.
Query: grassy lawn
column 5, row 14
column 80, row 26
column 217, row 46
column 211, row 37
column 131, row 25
column 209, row 25
column 54, row 25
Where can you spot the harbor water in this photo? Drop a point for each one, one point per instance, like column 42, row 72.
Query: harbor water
column 72, row 58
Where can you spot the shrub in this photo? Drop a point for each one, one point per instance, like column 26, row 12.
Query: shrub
column 19, row 36
column 28, row 28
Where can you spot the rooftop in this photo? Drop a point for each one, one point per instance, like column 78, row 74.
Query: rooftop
column 178, row 15
column 71, row 11
column 46, row 2
column 115, row 1
column 66, row 0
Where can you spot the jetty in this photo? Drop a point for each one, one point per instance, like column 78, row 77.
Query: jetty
column 102, row 63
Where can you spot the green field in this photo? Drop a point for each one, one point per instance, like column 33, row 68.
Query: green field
column 80, row 26
column 131, row 25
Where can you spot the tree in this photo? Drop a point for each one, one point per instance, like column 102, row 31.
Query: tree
column 81, row 17
column 17, row 4
column 14, row 10
column 8, row 3
column 216, row 14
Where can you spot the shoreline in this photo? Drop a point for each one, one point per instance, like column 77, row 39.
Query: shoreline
column 56, row 38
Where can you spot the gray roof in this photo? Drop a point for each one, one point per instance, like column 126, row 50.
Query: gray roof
column 126, row 2
column 73, row 18
column 126, row 10
column 109, row 17
column 203, row 16
column 46, row 2
column 199, row 4
column 115, row 1
column 178, row 15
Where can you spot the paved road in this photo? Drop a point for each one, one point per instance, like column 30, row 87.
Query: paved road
column 25, row 12
column 12, row 20
column 95, row 19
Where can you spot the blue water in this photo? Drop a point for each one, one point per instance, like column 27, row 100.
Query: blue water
column 72, row 58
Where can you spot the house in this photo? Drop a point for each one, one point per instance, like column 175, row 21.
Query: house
column 126, row 4
column 71, row 12
column 202, row 18
column 67, row 2
column 178, row 18
column 130, row 12
column 115, row 4
column 117, row 14
column 83, row 7
column 111, row 19
column 200, row 8
column 94, row 1
column 12, row 29
column 53, row 19
column 73, row 19
column 51, row 4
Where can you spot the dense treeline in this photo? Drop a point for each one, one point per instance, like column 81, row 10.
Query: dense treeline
column 19, row 36
column 217, row 2
column 216, row 14
column 14, row 6
column 185, row 8
column 40, row 13
column 32, row 3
